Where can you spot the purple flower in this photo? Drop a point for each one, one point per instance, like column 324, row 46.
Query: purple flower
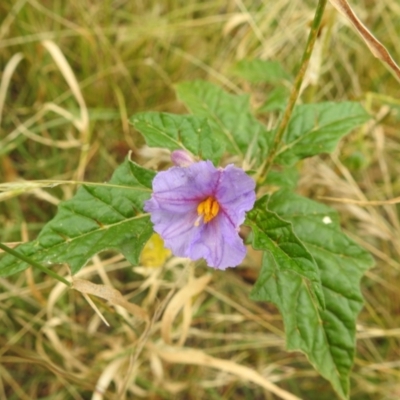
column 198, row 209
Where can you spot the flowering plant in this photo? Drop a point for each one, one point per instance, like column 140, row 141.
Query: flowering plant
column 310, row 269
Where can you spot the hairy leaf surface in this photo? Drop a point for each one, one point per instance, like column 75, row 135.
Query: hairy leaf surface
column 291, row 258
column 326, row 336
column 229, row 116
column 173, row 132
column 97, row 218
column 317, row 128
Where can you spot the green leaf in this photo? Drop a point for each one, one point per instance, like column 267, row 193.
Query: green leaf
column 261, row 71
column 229, row 116
column 317, row 128
column 283, row 178
column 291, row 258
column 326, row 336
column 174, row 132
column 97, row 218
column 276, row 100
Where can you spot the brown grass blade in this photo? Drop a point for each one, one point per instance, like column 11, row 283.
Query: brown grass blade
column 6, row 77
column 376, row 47
column 181, row 300
column 189, row 356
column 110, row 294
column 395, row 200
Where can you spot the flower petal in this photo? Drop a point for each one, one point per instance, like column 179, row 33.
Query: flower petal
column 196, row 181
column 178, row 231
column 235, row 193
column 219, row 243
column 178, row 189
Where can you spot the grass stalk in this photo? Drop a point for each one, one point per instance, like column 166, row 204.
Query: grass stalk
column 312, row 37
column 35, row 264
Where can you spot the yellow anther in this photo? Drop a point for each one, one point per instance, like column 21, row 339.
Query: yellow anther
column 208, row 209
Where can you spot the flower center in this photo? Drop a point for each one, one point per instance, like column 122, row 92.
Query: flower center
column 207, row 209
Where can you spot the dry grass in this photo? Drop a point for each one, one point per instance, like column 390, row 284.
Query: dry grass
column 72, row 73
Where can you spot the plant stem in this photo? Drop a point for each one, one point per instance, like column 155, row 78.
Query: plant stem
column 34, row 264
column 295, row 90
